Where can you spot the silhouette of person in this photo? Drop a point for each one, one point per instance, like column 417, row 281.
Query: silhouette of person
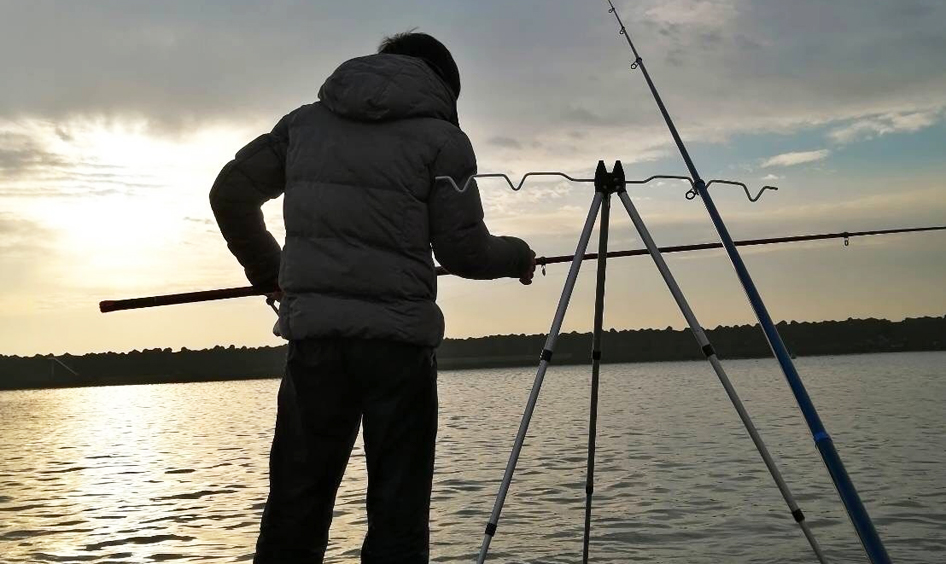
column 357, row 287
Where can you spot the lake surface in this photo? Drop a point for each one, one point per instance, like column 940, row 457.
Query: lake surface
column 178, row 472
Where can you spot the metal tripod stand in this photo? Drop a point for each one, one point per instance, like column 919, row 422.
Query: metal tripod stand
column 607, row 184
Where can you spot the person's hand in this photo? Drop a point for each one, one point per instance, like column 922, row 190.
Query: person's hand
column 273, row 298
column 526, row 278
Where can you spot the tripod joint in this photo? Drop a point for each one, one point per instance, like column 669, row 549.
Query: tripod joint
column 610, row 182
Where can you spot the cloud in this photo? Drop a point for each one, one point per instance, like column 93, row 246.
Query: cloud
column 27, row 251
column 583, row 116
column 875, row 126
column 921, row 205
column 560, row 221
column 696, row 13
column 21, row 154
column 760, row 66
column 28, row 168
column 506, row 142
column 19, row 235
column 799, row 157
column 41, row 159
column 787, row 66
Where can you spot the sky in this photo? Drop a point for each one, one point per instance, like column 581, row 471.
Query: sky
column 116, row 116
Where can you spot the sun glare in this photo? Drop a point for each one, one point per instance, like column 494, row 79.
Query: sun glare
column 123, row 201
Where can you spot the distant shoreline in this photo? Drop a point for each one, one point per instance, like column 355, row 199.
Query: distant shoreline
column 853, row 336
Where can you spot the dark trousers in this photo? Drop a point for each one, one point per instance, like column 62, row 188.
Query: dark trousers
column 329, row 387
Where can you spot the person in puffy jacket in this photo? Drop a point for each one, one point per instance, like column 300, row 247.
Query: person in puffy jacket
column 357, row 287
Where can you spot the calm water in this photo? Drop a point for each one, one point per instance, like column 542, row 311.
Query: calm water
column 177, row 472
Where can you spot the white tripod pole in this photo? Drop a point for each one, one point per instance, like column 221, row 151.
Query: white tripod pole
column 545, row 358
column 710, row 353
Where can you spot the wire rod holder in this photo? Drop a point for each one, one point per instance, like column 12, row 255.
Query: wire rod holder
column 693, row 192
column 515, row 187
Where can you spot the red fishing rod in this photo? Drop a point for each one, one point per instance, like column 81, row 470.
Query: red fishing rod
column 245, row 291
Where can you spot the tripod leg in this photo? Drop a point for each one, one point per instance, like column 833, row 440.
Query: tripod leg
column 595, row 367
column 540, row 375
column 710, row 353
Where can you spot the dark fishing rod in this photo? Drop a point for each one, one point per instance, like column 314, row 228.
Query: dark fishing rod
column 869, row 538
column 246, row 291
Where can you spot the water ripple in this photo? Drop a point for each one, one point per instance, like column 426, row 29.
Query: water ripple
column 124, row 475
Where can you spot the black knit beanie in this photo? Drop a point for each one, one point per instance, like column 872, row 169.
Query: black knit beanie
column 428, row 49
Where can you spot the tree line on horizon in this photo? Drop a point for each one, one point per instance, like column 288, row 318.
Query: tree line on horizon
column 852, row 336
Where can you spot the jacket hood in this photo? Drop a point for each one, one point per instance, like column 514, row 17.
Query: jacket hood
column 387, row 87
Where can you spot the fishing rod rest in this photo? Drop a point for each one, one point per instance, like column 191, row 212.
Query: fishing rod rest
column 610, row 182
column 694, row 191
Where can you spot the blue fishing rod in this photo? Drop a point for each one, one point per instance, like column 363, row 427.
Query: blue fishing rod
column 873, row 546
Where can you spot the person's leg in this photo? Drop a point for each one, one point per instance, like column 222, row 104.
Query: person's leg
column 316, row 426
column 399, row 384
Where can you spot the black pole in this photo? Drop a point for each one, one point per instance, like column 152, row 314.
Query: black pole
column 601, row 185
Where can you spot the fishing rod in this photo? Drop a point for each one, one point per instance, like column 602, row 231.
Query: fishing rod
column 860, row 519
column 846, row 235
column 107, row 306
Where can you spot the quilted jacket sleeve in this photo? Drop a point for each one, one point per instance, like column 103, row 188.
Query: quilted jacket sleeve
column 459, row 237
column 257, row 174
